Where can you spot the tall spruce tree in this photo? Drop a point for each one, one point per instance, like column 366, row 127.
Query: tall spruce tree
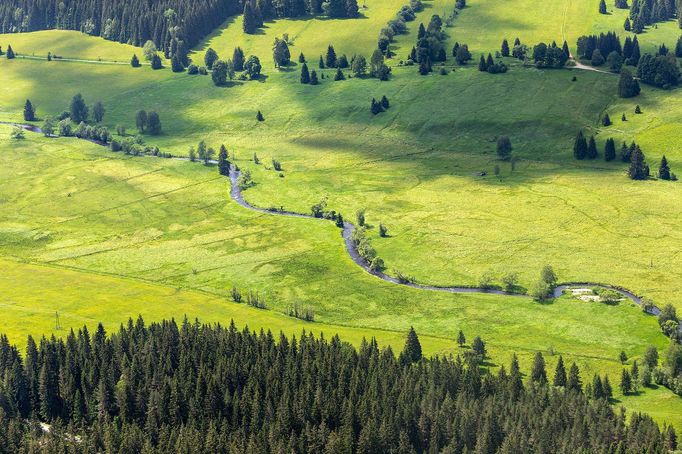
column 412, row 352
column 223, row 163
column 560, row 373
column 538, row 373
column 580, row 147
column 78, row 110
column 592, row 149
column 610, row 150
column 29, row 111
column 305, row 75
column 664, row 169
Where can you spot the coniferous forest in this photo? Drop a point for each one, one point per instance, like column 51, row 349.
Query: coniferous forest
column 161, row 21
column 197, row 388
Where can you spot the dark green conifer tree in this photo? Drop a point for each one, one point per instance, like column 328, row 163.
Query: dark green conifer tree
column 664, row 169
column 560, row 373
column 29, row 111
column 505, row 48
column 135, row 62
column 592, row 149
column 412, row 352
column 223, row 163
column 580, row 147
column 538, row 373
column 610, row 150
column 305, row 75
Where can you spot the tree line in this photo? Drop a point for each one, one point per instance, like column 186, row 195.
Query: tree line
column 126, row 21
column 197, row 388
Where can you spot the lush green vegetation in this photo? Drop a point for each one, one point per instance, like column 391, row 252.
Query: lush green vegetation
column 427, row 169
column 153, row 230
column 199, row 388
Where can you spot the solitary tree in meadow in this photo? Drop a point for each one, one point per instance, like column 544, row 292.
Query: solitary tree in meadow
column 305, row 75
column 141, row 120
column 98, row 111
column 223, row 163
column 664, row 169
column 78, row 110
column 210, row 57
column 10, row 53
column 461, row 340
column 156, row 62
column 135, row 62
column 153, row 123
column 504, row 147
column 238, row 59
column 29, row 111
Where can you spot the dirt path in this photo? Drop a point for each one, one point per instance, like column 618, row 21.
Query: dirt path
column 347, row 234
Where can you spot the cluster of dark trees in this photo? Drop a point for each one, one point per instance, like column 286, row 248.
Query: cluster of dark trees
column 461, row 53
column 659, row 70
column 491, row 66
column 168, row 23
column 648, row 12
column 628, row 86
column 197, row 388
column 632, row 154
column 430, row 45
column 149, row 122
column 550, row 56
column 308, row 77
column 598, row 48
column 376, row 107
column 224, row 70
column 258, row 11
column 584, row 149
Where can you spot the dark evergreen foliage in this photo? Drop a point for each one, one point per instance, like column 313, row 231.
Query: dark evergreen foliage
column 604, row 42
column 134, row 61
column 592, row 149
column 78, row 111
column 664, row 169
column 29, row 111
column 210, row 57
column 610, row 150
column 659, row 70
column 238, row 59
column 223, row 163
column 153, row 123
column 305, row 75
column 505, row 48
column 313, row 77
column 126, row 21
column 195, row 388
column 580, row 147
column 638, row 170
column 156, row 62
column 10, row 53
column 627, row 85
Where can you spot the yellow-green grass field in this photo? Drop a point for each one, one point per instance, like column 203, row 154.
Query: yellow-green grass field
column 68, row 44
column 414, row 168
column 98, row 236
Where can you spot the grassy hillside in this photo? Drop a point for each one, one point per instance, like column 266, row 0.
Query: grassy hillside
column 68, row 44
column 414, row 167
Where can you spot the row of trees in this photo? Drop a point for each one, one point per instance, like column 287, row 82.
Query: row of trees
column 397, row 25
column 430, row 45
column 199, row 388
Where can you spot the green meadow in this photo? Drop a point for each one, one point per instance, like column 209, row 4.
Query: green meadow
column 99, row 236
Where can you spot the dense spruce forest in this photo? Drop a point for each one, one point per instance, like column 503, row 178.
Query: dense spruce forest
column 161, row 21
column 199, row 388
